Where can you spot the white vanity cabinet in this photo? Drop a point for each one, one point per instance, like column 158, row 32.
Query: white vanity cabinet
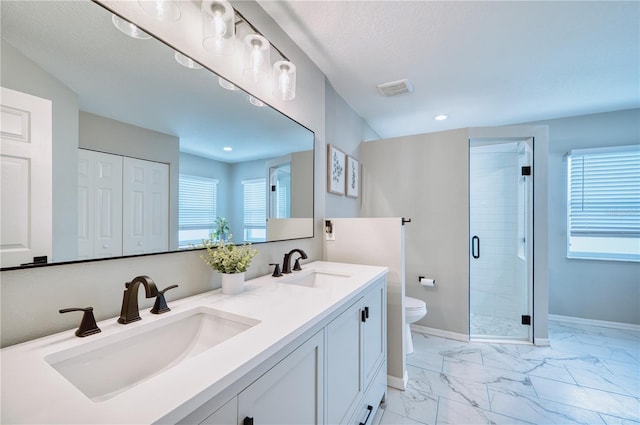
column 355, row 353
column 289, row 393
column 337, row 376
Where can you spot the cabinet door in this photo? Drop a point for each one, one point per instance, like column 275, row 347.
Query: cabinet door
column 289, row 393
column 343, row 364
column 226, row 415
column 373, row 331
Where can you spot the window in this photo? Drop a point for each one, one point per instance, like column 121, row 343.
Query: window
column 255, row 210
column 604, row 203
column 197, row 209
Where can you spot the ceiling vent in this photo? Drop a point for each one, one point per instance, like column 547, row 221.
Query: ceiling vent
column 395, row 88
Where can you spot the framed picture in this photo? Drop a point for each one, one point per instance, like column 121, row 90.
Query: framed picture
column 335, row 170
column 352, row 177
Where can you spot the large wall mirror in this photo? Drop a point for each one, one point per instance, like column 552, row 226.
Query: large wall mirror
column 146, row 152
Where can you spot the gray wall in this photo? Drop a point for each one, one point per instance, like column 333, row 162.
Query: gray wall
column 21, row 74
column 345, row 130
column 301, row 184
column 589, row 289
column 425, row 178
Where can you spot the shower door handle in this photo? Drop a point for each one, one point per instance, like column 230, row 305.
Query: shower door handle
column 475, row 247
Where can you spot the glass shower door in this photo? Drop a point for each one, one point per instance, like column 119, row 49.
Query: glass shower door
column 501, row 238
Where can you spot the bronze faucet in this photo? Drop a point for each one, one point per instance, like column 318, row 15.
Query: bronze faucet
column 130, row 311
column 286, row 264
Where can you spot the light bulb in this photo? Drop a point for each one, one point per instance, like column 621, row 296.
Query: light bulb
column 219, row 27
column 256, row 59
column 284, row 81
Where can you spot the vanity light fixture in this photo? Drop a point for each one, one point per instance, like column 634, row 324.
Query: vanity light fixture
column 256, row 62
column 218, row 27
column 128, row 28
column 227, row 149
column 441, row 117
column 284, row 80
column 162, row 10
column 186, row 61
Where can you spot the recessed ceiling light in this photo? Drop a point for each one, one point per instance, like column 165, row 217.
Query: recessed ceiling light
column 441, row 117
column 227, row 149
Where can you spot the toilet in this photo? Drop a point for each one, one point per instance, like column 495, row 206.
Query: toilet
column 414, row 310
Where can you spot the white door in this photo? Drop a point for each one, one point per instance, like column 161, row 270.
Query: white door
column 25, row 169
column 99, row 205
column 145, row 207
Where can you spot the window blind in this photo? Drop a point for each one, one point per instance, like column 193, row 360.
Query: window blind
column 604, row 192
column 197, row 207
column 255, row 203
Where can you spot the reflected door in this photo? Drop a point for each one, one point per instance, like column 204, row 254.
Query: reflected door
column 501, row 229
column 25, row 168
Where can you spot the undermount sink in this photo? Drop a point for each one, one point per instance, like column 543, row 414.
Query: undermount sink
column 104, row 368
column 315, row 278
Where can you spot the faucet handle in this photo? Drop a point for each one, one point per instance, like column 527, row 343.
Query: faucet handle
column 160, row 306
column 88, row 324
column 296, row 265
column 276, row 270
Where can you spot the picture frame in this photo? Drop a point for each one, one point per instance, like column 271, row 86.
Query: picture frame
column 335, row 170
column 352, row 179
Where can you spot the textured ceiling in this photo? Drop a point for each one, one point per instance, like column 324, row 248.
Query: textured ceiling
column 481, row 62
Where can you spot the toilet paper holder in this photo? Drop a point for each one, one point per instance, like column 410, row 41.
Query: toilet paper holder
column 422, row 280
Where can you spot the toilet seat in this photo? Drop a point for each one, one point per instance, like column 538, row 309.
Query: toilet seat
column 414, row 305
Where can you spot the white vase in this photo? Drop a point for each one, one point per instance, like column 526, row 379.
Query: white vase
column 232, row 283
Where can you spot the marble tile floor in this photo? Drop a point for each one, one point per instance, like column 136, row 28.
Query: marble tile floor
column 589, row 375
column 484, row 326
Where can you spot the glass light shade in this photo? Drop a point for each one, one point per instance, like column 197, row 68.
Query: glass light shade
column 256, row 58
column 218, row 27
column 128, row 28
column 284, row 80
column 226, row 84
column 186, row 61
column 256, row 102
column 163, row 10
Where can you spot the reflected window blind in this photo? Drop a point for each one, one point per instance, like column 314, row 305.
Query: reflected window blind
column 604, row 192
column 255, row 203
column 197, row 207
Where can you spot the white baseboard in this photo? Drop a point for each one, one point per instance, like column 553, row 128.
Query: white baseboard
column 542, row 342
column 398, row 383
column 593, row 322
column 440, row 333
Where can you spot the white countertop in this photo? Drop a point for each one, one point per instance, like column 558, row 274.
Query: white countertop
column 34, row 392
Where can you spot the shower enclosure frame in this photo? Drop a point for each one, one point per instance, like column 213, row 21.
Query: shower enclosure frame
column 504, row 284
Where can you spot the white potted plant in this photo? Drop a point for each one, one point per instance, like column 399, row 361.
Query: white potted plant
column 231, row 260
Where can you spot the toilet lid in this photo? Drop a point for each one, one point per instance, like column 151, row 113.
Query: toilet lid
column 414, row 304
